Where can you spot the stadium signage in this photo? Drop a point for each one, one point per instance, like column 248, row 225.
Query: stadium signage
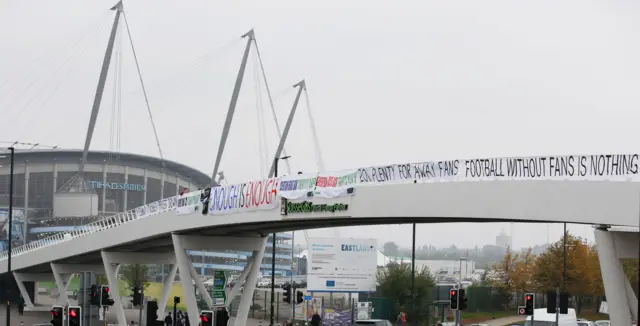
column 117, row 186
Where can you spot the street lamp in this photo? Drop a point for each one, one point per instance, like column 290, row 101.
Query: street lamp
column 273, row 250
column 458, row 312
column 10, row 235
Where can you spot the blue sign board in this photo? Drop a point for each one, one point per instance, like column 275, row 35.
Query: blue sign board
column 117, row 186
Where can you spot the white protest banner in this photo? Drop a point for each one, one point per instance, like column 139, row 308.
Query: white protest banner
column 159, row 206
column 335, row 184
column 609, row 167
column 297, row 186
column 245, row 197
column 342, row 265
column 324, row 184
column 189, row 203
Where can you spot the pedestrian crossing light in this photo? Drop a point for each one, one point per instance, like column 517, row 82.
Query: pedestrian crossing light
column 206, row 318
column 453, row 297
column 286, row 296
column 105, row 297
column 136, row 296
column 95, row 296
column 299, row 297
column 462, row 301
column 56, row 315
column 74, row 315
column 529, row 303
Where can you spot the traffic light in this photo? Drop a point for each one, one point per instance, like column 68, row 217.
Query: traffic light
column 462, row 302
column 529, row 303
column 564, row 303
column 286, row 297
column 453, row 297
column 206, row 318
column 94, row 299
column 56, row 315
column 74, row 315
column 152, row 312
column 299, row 297
column 136, row 296
column 105, row 297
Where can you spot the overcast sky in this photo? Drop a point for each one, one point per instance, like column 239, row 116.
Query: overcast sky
column 388, row 82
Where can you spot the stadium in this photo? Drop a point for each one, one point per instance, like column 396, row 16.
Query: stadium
column 120, row 181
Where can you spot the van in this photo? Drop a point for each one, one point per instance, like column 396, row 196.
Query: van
column 542, row 318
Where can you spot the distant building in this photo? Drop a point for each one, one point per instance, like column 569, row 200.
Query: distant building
column 503, row 240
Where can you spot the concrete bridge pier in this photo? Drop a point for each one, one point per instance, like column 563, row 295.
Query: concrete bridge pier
column 113, row 260
column 166, row 290
column 612, row 246
column 250, row 285
column 182, row 243
column 62, row 282
column 29, row 277
column 240, row 280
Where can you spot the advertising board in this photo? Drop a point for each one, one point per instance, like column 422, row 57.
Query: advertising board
column 342, row 265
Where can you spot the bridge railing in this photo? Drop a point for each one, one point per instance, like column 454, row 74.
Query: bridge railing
column 160, row 206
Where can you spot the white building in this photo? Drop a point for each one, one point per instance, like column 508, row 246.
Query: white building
column 503, row 240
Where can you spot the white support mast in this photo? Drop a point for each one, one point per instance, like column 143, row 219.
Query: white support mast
column 101, row 82
column 287, row 126
column 232, row 105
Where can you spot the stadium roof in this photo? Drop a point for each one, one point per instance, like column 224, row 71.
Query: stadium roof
column 128, row 159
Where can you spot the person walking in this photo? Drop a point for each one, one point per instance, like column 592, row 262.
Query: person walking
column 21, row 306
column 316, row 320
column 168, row 321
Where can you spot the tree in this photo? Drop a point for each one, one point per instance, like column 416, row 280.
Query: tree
column 102, row 280
column 504, row 275
column 524, row 267
column 390, row 249
column 135, row 276
column 395, row 285
column 580, row 268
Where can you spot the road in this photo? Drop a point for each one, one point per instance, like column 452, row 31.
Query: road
column 504, row 321
column 39, row 317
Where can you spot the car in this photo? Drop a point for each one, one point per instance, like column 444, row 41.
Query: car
column 373, row 322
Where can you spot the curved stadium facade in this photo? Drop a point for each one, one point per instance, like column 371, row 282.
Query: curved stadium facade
column 122, row 181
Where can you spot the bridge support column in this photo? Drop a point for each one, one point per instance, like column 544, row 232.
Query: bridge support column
column 198, row 280
column 166, row 290
column 20, row 279
column 243, row 276
column 633, row 300
column 111, row 271
column 250, row 285
column 184, row 263
column 134, row 258
column 62, row 282
column 613, row 278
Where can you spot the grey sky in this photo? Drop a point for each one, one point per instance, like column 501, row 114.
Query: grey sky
column 412, row 81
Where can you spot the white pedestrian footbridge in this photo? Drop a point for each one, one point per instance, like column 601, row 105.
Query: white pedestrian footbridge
column 599, row 190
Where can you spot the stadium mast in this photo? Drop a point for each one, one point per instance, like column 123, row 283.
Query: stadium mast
column 101, row 82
